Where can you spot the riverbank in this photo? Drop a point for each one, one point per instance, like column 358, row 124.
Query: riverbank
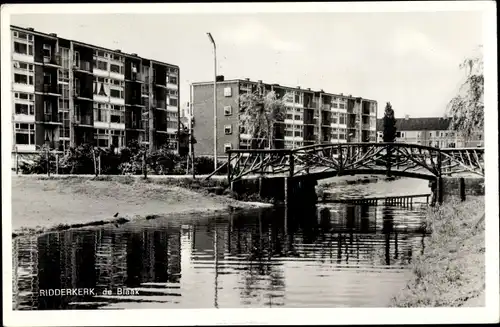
column 42, row 204
column 451, row 271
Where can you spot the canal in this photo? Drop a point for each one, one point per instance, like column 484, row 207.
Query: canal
column 336, row 256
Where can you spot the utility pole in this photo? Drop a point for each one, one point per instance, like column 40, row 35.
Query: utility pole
column 191, row 132
column 215, row 99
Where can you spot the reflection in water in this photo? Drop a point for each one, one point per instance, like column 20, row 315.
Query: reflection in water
column 340, row 256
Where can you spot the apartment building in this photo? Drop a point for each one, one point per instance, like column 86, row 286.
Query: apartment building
column 431, row 131
column 66, row 92
column 312, row 117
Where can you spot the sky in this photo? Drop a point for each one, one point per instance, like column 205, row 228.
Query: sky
column 409, row 59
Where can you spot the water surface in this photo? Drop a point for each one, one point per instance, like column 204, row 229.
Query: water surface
column 345, row 256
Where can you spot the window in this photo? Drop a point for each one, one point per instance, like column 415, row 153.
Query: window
column 23, row 36
column 298, row 117
column 117, row 117
column 342, row 119
column 23, row 66
column 299, row 97
column 102, row 65
column 63, row 104
column 341, row 106
column 298, row 133
column 172, row 102
column 25, row 133
column 102, row 137
column 172, row 79
column 46, row 78
column 46, row 50
column 24, row 96
column 25, row 109
column 101, row 112
column 228, row 111
column 115, row 68
column 22, row 48
column 23, row 79
column 227, row 91
column 334, row 105
column 402, row 134
column 228, row 130
column 227, row 146
column 116, row 93
column 171, row 124
column 289, row 116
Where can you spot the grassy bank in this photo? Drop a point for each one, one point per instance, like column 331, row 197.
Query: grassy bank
column 451, row 271
column 41, row 203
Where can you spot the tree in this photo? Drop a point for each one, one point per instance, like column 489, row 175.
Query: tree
column 389, row 124
column 466, row 109
column 259, row 114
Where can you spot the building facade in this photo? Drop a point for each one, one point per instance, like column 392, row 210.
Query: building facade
column 66, row 93
column 430, row 131
column 312, row 117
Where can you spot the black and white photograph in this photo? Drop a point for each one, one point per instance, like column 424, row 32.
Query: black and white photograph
column 269, row 158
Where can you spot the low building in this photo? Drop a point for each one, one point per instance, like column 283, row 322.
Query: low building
column 430, row 131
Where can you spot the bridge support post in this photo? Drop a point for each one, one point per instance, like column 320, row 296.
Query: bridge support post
column 439, row 190
column 261, row 187
column 462, row 189
column 287, row 193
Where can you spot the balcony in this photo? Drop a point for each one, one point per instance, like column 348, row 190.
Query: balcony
column 83, row 66
column 51, row 89
column 136, row 100
column 160, row 104
column 52, row 60
column 133, row 123
column 158, row 82
column 161, row 127
column 83, row 120
column 50, row 118
column 136, row 77
column 82, row 93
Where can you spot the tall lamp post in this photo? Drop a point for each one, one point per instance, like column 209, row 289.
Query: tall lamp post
column 215, row 100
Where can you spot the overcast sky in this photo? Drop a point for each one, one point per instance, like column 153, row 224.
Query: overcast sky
column 409, row 59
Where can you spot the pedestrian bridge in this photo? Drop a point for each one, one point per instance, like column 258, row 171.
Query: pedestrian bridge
column 321, row 161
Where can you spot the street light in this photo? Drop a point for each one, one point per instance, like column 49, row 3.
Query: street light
column 215, row 100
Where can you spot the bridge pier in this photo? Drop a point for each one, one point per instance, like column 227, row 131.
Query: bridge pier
column 460, row 187
column 299, row 192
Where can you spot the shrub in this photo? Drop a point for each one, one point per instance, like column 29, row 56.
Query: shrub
column 205, row 166
column 129, row 161
column 39, row 163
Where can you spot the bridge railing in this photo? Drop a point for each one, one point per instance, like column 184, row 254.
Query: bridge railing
column 242, row 163
column 411, row 160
